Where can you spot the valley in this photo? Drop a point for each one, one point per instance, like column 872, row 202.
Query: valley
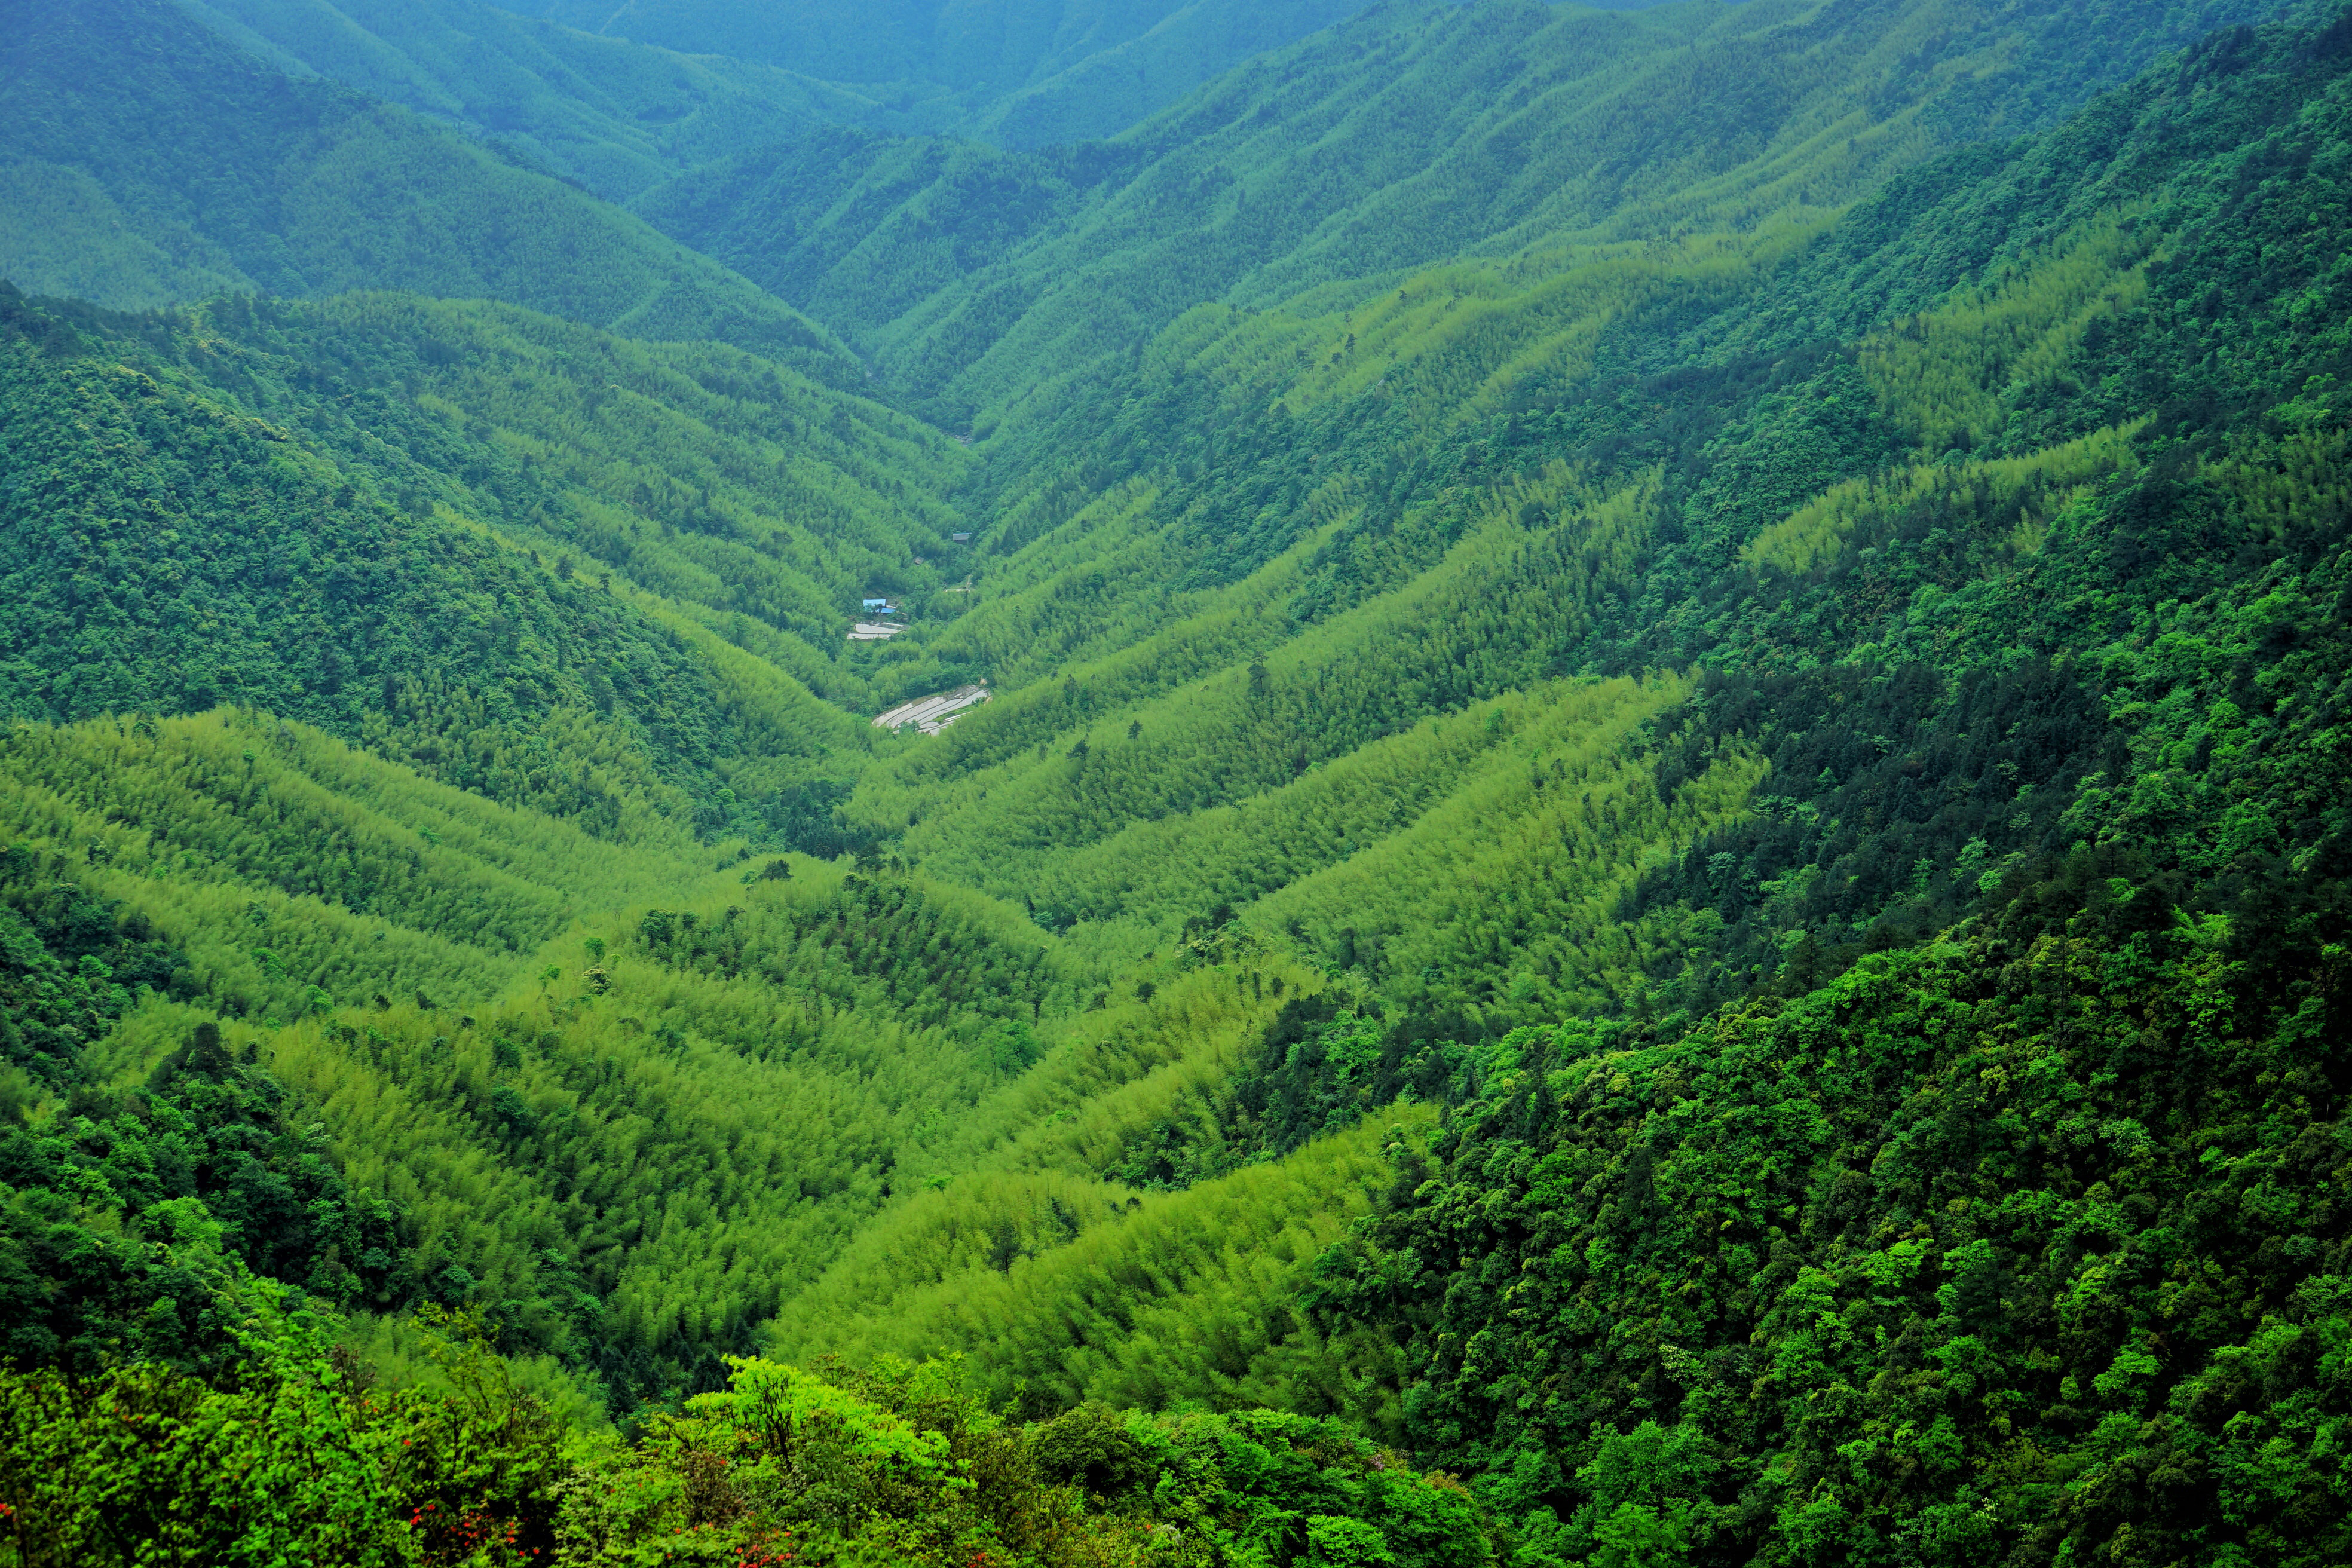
column 1088, row 784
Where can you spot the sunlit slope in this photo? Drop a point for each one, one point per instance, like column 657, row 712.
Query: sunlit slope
column 148, row 160
column 644, row 1105
column 195, row 522
column 646, row 1144
column 1148, row 1299
column 293, row 872
column 1495, row 613
column 659, row 1150
column 1407, row 794
column 613, row 115
column 634, row 1098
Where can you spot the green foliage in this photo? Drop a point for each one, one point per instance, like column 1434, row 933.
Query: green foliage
column 1677, row 844
column 284, row 1454
column 924, row 955
column 192, row 170
column 991, row 70
column 900, row 1464
column 1404, row 136
column 832, row 1022
column 159, row 566
column 146, row 1464
column 765, row 504
column 125, row 1211
column 121, row 1223
column 294, row 1457
column 71, row 970
column 1973, row 1267
column 1152, row 1300
column 592, row 109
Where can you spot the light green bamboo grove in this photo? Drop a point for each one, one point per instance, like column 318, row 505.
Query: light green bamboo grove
column 432, row 972
column 612, row 1081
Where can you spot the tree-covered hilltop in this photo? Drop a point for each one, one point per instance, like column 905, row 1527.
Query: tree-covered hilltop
column 612, row 115
column 148, row 160
column 1628, row 895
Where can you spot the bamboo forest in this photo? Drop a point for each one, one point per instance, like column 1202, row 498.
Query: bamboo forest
column 1176, row 784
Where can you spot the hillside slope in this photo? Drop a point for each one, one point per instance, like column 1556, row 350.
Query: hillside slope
column 147, row 161
column 1400, row 138
column 2025, row 606
column 1765, row 507
column 1020, row 74
column 403, row 521
column 612, row 115
column 455, row 986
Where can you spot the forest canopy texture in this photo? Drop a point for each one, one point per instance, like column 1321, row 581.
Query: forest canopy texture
column 1040, row 785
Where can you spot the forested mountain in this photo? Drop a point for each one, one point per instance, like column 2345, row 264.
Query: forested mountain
column 618, row 99
column 403, row 520
column 613, row 116
column 147, row 161
column 1016, row 74
column 1413, row 134
column 1658, row 868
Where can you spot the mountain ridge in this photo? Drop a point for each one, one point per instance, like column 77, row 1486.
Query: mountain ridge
column 232, row 178
column 1174, row 213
